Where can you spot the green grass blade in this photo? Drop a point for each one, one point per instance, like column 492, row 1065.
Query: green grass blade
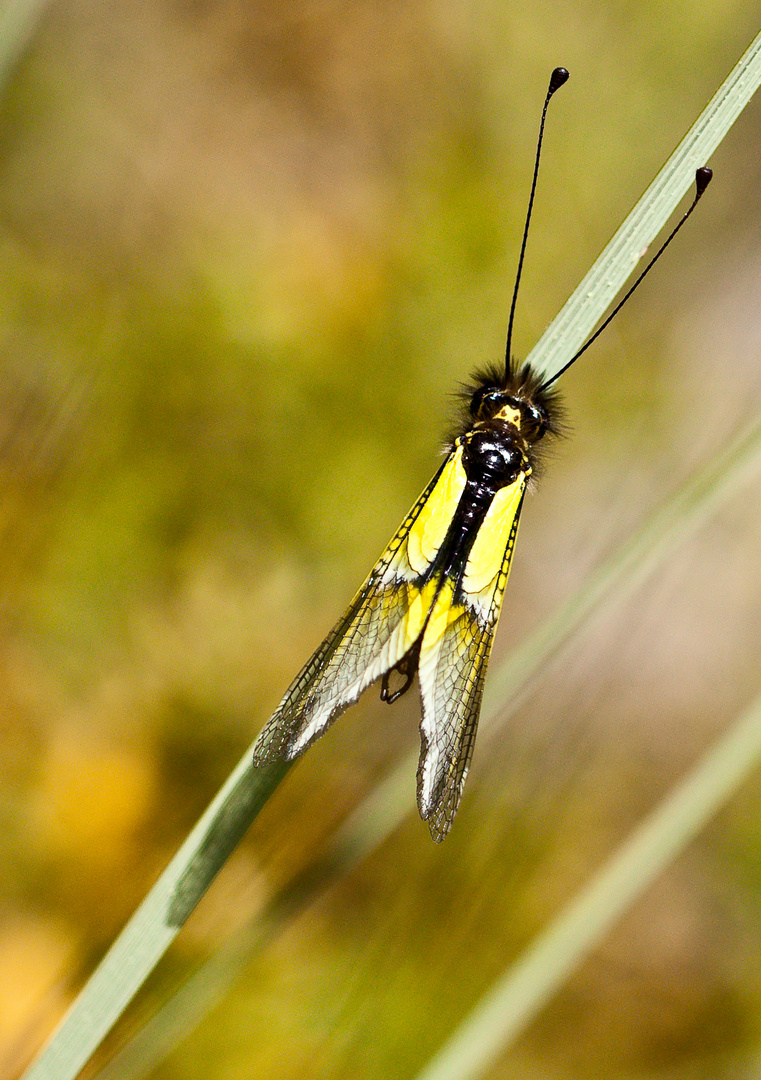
column 528, row 984
column 158, row 920
column 155, row 924
column 580, row 314
column 186, row 1008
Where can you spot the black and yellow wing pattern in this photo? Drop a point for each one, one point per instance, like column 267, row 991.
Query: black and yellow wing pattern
column 454, row 654
column 369, row 640
column 432, row 600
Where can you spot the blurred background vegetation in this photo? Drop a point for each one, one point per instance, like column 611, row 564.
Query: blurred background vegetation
column 247, row 252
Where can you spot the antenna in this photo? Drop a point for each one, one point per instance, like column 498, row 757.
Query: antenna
column 557, row 79
column 702, row 180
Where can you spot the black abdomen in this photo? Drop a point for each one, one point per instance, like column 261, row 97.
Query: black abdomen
column 493, row 457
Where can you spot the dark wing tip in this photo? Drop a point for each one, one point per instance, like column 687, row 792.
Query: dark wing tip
column 441, row 815
column 272, row 745
column 439, row 830
column 266, row 755
column 279, row 738
column 439, row 810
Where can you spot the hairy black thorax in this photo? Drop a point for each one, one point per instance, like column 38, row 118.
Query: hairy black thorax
column 503, row 418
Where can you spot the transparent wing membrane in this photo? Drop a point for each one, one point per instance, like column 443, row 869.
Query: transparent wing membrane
column 383, row 622
column 412, row 612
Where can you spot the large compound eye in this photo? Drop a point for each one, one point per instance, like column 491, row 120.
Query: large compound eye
column 486, row 401
column 534, row 422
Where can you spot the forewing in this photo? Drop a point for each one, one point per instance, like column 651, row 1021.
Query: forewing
column 453, row 660
column 382, row 623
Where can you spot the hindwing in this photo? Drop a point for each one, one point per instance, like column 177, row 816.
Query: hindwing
column 454, row 655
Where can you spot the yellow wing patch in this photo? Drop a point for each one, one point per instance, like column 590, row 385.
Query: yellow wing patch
column 454, row 654
column 443, row 614
column 420, row 605
column 488, row 551
column 429, row 530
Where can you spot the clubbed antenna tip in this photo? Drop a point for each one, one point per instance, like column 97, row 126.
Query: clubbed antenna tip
column 702, row 180
column 558, row 78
